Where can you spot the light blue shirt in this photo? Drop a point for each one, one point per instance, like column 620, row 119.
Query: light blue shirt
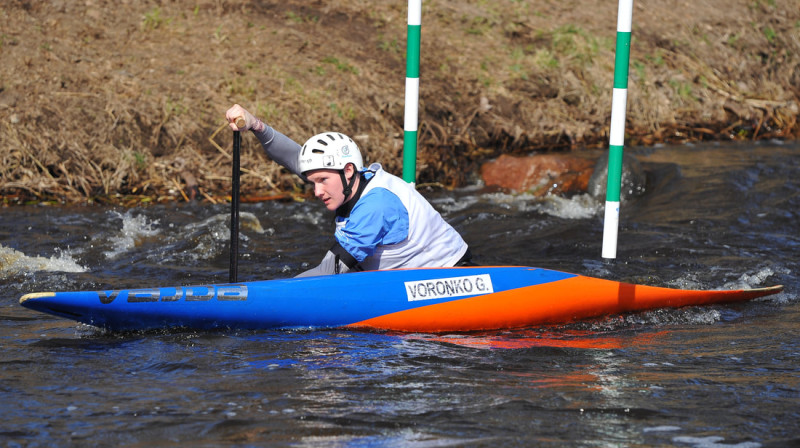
column 378, row 218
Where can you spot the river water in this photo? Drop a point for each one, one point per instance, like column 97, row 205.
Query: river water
column 713, row 216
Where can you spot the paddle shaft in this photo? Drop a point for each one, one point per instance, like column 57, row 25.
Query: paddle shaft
column 237, row 140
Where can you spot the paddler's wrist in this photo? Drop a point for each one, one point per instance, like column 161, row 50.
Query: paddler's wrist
column 262, row 131
column 258, row 125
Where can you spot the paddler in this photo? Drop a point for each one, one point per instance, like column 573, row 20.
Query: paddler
column 382, row 222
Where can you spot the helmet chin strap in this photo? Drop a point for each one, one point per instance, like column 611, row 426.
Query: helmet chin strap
column 348, row 186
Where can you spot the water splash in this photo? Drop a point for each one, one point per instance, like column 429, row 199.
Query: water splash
column 662, row 317
column 210, row 237
column 13, row 262
column 747, row 281
column 220, row 224
column 134, row 230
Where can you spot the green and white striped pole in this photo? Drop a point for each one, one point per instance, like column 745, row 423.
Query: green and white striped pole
column 617, row 132
column 412, row 91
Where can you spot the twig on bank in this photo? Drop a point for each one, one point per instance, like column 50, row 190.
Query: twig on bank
column 214, row 143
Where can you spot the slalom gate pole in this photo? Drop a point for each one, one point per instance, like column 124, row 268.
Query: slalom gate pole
column 617, row 132
column 410, row 125
column 234, row 250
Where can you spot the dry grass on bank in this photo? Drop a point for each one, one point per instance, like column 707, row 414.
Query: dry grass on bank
column 123, row 101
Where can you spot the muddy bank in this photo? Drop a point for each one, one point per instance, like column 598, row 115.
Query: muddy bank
column 123, row 101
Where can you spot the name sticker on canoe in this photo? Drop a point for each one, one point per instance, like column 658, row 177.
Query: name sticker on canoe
column 443, row 288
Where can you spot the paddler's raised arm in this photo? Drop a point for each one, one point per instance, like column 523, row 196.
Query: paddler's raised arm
column 278, row 147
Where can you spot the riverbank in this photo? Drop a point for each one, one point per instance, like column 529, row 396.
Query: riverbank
column 123, row 102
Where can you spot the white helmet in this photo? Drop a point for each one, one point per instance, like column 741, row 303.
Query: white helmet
column 329, row 150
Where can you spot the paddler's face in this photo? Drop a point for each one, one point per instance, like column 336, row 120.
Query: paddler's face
column 328, row 186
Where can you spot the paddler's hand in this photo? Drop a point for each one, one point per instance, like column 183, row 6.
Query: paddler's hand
column 239, row 119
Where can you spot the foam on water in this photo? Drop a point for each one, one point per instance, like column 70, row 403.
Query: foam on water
column 450, row 204
column 713, row 442
column 688, row 280
column 580, row 206
column 663, row 428
column 315, row 217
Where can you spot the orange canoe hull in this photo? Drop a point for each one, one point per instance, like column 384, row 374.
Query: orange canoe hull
column 559, row 302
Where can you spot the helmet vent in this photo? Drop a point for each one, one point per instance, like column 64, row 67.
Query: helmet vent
column 317, row 151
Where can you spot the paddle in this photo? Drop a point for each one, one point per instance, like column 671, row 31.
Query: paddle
column 234, row 250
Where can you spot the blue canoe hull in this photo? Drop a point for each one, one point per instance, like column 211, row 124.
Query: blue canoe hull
column 429, row 300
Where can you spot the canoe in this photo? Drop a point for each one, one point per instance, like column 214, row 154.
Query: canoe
column 433, row 300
